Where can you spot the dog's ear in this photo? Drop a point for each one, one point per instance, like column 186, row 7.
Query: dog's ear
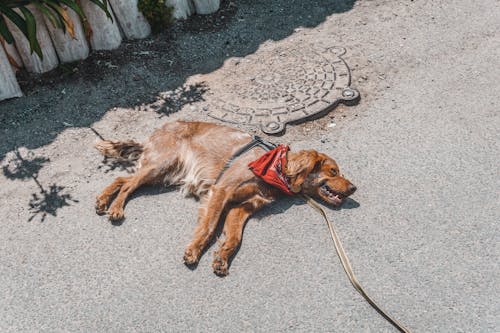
column 300, row 165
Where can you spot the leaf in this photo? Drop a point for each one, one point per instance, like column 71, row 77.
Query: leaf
column 57, row 10
column 104, row 6
column 68, row 22
column 4, row 31
column 14, row 18
column 69, row 25
column 50, row 14
column 31, row 31
column 10, row 58
column 71, row 4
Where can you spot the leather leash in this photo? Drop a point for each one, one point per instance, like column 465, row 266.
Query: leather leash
column 348, row 269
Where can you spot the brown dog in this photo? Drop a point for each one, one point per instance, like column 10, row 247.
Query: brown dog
column 192, row 155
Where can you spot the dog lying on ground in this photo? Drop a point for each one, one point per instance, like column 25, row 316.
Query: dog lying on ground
column 193, row 155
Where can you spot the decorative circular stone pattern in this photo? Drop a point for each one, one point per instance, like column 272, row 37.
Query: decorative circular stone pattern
column 272, row 89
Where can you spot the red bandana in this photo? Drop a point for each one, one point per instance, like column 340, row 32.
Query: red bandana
column 269, row 167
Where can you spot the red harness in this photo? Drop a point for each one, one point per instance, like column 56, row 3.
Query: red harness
column 270, row 168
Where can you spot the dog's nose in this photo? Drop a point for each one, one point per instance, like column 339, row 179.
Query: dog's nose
column 351, row 189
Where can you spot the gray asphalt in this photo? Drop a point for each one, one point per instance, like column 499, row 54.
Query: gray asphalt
column 421, row 231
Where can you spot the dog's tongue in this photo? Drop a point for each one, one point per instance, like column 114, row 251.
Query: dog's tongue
column 337, row 199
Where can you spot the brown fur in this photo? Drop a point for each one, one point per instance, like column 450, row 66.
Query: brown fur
column 191, row 155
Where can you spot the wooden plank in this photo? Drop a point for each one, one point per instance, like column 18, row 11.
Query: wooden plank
column 131, row 20
column 11, row 51
column 9, row 87
column 204, row 7
column 31, row 61
column 69, row 49
column 105, row 32
column 182, row 8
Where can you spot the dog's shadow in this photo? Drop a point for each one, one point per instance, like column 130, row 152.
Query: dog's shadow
column 145, row 191
column 282, row 205
column 277, row 208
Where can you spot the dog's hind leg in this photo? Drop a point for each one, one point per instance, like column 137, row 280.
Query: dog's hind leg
column 233, row 231
column 141, row 177
column 107, row 194
column 208, row 219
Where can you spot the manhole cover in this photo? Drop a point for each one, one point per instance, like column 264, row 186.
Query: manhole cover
column 285, row 85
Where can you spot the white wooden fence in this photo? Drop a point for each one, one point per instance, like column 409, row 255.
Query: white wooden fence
column 59, row 47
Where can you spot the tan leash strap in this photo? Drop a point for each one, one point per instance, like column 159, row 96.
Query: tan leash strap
column 348, row 269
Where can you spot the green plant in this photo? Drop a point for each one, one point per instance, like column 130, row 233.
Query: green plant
column 157, row 13
column 54, row 10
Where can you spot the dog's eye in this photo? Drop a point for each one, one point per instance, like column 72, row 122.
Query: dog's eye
column 334, row 172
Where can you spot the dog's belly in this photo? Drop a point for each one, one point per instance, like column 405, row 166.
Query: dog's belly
column 193, row 173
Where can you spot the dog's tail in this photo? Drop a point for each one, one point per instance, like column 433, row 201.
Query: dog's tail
column 126, row 151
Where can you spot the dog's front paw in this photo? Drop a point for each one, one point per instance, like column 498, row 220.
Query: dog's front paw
column 191, row 257
column 100, row 206
column 116, row 214
column 220, row 266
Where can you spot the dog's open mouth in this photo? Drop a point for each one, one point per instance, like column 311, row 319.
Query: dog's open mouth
column 331, row 195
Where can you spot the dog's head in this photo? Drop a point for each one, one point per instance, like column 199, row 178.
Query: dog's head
column 318, row 175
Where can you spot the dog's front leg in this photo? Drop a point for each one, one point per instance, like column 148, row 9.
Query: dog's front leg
column 233, row 231
column 208, row 219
